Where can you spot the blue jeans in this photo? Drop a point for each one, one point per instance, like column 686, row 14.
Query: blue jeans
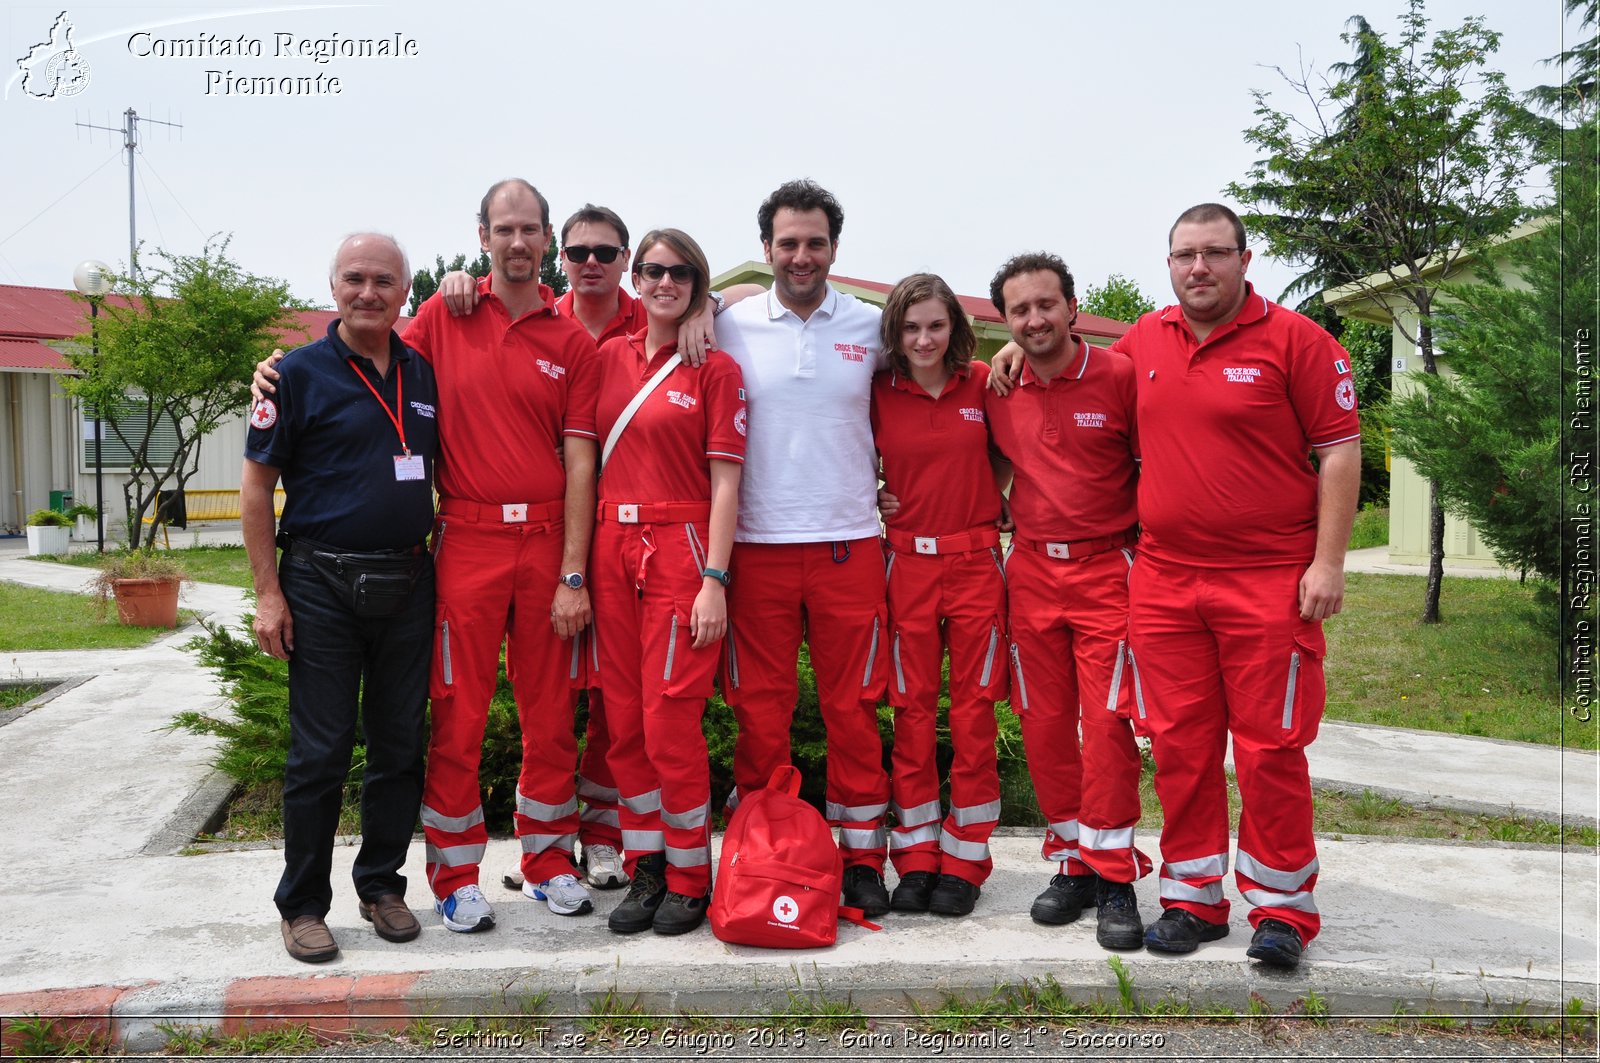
column 341, row 662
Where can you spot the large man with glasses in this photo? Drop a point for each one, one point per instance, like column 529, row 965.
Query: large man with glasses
column 1241, row 558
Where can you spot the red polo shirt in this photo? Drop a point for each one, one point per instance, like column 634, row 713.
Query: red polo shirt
column 1229, row 425
column 694, row 415
column 629, row 317
column 935, row 452
column 1073, row 448
column 508, row 392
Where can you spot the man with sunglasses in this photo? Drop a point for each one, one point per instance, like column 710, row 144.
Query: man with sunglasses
column 807, row 561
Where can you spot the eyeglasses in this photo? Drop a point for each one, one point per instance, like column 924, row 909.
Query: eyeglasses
column 605, row 254
column 652, row 271
column 1214, row 256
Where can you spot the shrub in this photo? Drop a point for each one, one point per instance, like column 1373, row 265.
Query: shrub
column 255, row 736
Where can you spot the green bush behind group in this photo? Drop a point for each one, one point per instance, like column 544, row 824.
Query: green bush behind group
column 255, row 736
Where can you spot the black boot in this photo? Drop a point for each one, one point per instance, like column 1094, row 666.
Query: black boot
column 646, row 891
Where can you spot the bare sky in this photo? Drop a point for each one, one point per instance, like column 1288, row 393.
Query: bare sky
column 955, row 134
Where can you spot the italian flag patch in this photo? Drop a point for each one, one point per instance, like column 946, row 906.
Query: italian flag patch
column 1341, row 366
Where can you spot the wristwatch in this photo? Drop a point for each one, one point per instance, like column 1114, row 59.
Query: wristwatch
column 718, row 303
column 573, row 580
column 717, row 574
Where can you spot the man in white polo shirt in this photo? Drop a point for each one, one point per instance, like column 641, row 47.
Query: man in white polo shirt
column 806, row 561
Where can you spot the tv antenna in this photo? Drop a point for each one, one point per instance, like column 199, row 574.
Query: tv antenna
column 130, row 140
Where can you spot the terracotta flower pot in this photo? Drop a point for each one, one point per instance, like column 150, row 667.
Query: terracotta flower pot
column 147, row 602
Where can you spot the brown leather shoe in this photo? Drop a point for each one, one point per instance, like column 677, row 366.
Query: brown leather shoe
column 391, row 918
column 308, row 939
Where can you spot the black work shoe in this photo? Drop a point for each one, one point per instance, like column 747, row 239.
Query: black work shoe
column 1119, row 925
column 1064, row 899
column 912, row 892
column 953, row 896
column 680, row 913
column 1276, row 944
column 1181, row 931
column 864, row 889
column 646, row 891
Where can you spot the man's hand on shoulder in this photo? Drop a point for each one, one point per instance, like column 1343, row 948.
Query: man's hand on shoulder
column 265, row 380
column 459, row 290
column 1006, row 368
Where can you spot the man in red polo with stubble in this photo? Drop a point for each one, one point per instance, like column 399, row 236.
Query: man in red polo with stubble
column 1241, row 559
column 511, row 546
column 1067, row 429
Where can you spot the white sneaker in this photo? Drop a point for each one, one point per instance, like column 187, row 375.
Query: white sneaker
column 512, row 880
column 564, row 894
column 466, row 910
column 604, row 866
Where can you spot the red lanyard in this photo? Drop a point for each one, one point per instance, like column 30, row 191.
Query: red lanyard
column 399, row 398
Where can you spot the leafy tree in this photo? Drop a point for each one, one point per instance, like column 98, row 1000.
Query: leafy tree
column 1120, row 299
column 1407, row 162
column 179, row 349
column 426, row 281
column 1491, row 430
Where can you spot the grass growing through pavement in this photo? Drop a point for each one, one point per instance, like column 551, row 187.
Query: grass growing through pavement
column 14, row 694
column 204, row 564
column 1487, row 670
column 34, row 619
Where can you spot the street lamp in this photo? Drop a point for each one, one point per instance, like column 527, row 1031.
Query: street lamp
column 92, row 278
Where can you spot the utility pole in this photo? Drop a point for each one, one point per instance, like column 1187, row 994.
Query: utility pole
column 130, row 141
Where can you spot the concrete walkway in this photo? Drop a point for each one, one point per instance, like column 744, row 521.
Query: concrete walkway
column 97, row 797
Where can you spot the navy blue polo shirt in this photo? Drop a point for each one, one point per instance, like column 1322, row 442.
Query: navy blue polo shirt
column 336, row 446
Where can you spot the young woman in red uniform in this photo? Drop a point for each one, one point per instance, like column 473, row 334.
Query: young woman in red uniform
column 946, row 591
column 668, row 491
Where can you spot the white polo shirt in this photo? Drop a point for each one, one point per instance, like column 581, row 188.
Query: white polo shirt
column 810, row 473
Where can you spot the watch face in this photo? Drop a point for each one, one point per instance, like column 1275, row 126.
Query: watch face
column 573, row 580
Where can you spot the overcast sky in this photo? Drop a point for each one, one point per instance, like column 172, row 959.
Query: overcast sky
column 954, row 133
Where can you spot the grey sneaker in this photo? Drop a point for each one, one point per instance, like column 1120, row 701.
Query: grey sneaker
column 603, row 866
column 466, row 910
column 564, row 894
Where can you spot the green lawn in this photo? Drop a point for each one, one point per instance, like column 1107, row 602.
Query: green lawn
column 34, row 619
column 1487, row 670
column 204, row 564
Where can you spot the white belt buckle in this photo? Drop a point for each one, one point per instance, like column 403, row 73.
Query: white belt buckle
column 1058, row 549
column 927, row 544
column 628, row 514
column 514, row 513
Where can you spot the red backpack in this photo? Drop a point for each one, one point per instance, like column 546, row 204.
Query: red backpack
column 780, row 873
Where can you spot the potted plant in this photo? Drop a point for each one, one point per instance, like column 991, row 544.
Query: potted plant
column 144, row 585
column 86, row 517
column 47, row 531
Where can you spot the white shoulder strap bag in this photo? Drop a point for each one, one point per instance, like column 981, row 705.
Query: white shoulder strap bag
column 633, row 407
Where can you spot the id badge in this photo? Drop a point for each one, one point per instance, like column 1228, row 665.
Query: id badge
column 409, row 467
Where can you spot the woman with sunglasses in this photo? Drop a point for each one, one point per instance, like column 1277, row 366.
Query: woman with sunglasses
column 946, row 591
column 668, row 489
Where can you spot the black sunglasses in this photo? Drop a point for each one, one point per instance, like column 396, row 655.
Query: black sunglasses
column 605, row 253
column 652, row 271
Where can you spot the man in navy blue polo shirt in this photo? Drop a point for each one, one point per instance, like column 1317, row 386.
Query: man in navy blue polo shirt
column 353, row 432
